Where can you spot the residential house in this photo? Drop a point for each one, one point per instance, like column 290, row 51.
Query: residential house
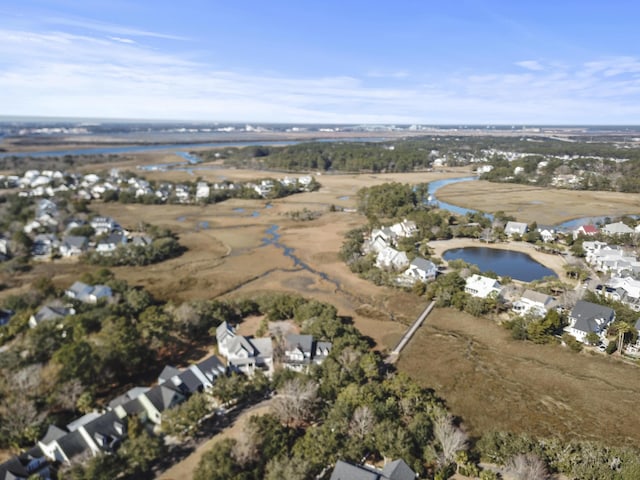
column 158, row 399
column 421, row 270
column 141, row 241
column 195, row 378
column 111, row 242
column 88, row 293
column 515, row 228
column 534, row 303
column 47, row 313
column 30, row 464
column 242, row 353
column 404, row 229
column 44, row 245
column 300, row 351
column 103, row 225
column 617, row 228
column 586, row 230
column 587, row 317
column 61, row 445
column 548, row 234
column 73, row 245
column 392, row 259
column 203, row 191
column 396, row 470
column 622, row 289
column 481, row 286
column 102, row 433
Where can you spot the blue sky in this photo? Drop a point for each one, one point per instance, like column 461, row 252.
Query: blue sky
column 427, row 62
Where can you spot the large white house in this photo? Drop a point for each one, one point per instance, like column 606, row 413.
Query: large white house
column 482, row 287
column 420, row 270
column 390, row 258
column 534, row 303
column 587, row 317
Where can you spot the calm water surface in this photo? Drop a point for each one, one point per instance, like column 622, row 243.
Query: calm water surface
column 517, row 265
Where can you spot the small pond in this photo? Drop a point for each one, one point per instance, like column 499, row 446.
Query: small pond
column 516, row 265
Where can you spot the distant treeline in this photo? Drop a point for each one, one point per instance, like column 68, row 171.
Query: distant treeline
column 401, row 155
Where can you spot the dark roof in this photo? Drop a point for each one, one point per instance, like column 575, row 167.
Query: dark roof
column 105, row 425
column 72, row 444
column 211, row 365
column 304, row 342
column 422, row 264
column 398, row 470
column 133, row 407
column 161, row 397
column 77, row 241
column 168, row 373
column 346, row 471
column 586, row 314
column 50, row 313
column 190, row 381
column 53, row 433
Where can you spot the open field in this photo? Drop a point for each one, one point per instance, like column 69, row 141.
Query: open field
column 547, row 206
column 496, row 383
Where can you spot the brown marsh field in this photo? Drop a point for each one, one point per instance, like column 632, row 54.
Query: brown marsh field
column 546, row 206
column 487, row 379
column 496, row 383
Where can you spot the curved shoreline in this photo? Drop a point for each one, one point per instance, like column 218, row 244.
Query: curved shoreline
column 553, row 262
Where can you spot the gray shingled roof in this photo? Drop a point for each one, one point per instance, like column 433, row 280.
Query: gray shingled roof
column 304, row 342
column 398, row 470
column 72, row 444
column 422, row 264
column 161, row 397
column 346, row 471
column 586, row 314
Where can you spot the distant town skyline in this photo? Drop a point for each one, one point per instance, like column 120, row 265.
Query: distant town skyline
column 349, row 62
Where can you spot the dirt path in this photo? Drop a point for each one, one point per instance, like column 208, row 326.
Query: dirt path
column 184, row 469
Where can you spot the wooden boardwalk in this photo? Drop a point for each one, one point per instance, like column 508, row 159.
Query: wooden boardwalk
column 395, row 353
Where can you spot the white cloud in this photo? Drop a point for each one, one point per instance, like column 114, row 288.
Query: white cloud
column 64, row 74
column 122, row 40
column 531, row 65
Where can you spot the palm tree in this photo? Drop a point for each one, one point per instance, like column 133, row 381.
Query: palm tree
column 623, row 328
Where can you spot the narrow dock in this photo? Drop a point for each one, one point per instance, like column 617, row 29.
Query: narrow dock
column 395, row 353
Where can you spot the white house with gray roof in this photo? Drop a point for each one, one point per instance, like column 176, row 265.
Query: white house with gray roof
column 617, row 228
column 391, row 259
column 533, row 303
column 420, row 270
column 512, row 228
column 396, row 470
column 587, row 317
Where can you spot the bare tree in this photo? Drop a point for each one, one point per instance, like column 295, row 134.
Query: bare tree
column 69, row 394
column 528, row 467
column 362, row 422
column 451, row 438
column 296, row 401
column 246, row 449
